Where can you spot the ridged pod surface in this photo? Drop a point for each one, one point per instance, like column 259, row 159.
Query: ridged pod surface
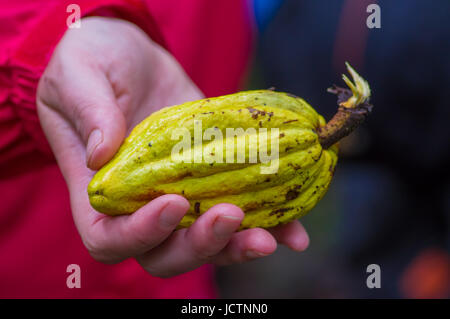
column 144, row 167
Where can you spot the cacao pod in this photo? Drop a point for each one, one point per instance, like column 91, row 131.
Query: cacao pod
column 269, row 192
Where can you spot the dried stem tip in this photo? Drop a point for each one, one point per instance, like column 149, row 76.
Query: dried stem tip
column 353, row 109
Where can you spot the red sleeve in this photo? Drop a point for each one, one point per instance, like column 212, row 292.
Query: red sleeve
column 22, row 65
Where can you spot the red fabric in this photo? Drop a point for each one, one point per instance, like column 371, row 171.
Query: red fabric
column 38, row 240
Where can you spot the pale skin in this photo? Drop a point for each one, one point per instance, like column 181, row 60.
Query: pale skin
column 101, row 81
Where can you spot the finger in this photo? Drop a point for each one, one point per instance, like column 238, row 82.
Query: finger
column 247, row 245
column 112, row 239
column 292, row 235
column 85, row 97
column 190, row 248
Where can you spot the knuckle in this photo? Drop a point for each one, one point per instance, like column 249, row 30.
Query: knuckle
column 82, row 108
column 203, row 251
column 49, row 81
column 143, row 242
column 82, row 112
column 98, row 251
column 143, row 239
column 201, row 243
column 47, row 86
column 93, row 248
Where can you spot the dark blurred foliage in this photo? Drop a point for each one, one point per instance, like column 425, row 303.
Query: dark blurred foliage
column 389, row 201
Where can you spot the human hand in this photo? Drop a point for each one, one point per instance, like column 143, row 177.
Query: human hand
column 102, row 80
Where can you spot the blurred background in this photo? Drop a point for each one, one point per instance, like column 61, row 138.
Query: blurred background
column 389, row 203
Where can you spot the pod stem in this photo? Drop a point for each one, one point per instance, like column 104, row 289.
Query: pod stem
column 353, row 109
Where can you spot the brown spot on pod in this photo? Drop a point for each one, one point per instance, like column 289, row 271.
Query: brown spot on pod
column 197, row 208
column 294, row 166
column 290, row 121
column 255, row 112
column 292, row 194
column 318, row 158
column 280, row 210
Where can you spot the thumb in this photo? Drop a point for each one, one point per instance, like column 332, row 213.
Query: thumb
column 89, row 103
column 102, row 126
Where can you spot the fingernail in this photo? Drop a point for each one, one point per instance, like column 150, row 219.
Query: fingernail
column 254, row 254
column 169, row 217
column 224, row 226
column 94, row 140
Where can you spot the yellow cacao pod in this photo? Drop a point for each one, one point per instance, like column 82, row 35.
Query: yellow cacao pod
column 260, row 150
